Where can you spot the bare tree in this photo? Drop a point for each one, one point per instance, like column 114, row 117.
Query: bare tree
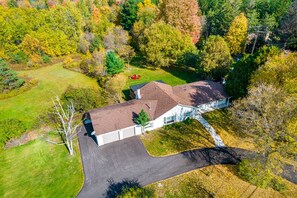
column 66, row 125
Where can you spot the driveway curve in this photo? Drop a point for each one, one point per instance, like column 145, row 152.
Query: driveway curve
column 128, row 160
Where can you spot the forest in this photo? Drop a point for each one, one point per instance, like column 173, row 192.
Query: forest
column 249, row 45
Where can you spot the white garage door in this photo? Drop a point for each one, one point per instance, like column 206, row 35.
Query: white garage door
column 111, row 137
column 128, row 132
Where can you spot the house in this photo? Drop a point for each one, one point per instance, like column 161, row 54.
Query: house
column 163, row 103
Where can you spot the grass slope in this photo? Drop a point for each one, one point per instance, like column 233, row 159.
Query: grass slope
column 220, row 120
column 177, row 138
column 53, row 80
column 40, row 169
column 215, row 181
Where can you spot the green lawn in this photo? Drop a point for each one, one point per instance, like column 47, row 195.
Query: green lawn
column 220, row 120
column 40, row 169
column 214, row 181
column 53, row 80
column 176, row 138
column 171, row 76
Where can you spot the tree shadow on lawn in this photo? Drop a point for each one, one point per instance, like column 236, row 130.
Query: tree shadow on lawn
column 185, row 74
column 180, row 136
column 115, row 189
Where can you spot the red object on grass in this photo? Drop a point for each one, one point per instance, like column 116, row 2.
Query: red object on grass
column 135, row 77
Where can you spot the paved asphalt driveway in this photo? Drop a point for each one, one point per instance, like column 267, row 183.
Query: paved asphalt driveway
column 126, row 162
column 108, row 167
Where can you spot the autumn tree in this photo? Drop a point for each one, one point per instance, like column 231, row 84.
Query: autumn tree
column 182, row 14
column 268, row 116
column 8, row 78
column 118, row 40
column 114, row 88
column 114, row 63
column 163, row 45
column 237, row 34
column 215, row 57
column 146, row 15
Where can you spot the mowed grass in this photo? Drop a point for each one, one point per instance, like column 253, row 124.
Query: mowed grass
column 215, row 181
column 53, row 80
column 177, row 138
column 40, row 169
column 171, row 76
column 220, row 120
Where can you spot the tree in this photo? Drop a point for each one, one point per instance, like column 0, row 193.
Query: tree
column 78, row 97
column 237, row 34
column 128, row 13
column 265, row 118
column 238, row 79
column 182, row 14
column 219, row 15
column 65, row 123
column 8, row 78
column 215, row 57
column 142, row 119
column 117, row 40
column 114, row 64
column 163, row 44
column 289, row 27
column 146, row 15
column 114, row 88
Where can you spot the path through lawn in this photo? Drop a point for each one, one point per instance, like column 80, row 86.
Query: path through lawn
column 53, row 80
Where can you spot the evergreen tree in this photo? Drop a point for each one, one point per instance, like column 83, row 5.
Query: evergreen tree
column 142, row 119
column 238, row 79
column 8, row 78
column 128, row 13
column 237, row 34
column 215, row 57
column 114, row 64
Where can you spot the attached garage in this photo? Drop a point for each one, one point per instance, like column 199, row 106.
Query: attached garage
column 129, row 132
column 110, row 137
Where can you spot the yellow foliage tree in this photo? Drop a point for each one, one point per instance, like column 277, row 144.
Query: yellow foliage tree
column 237, row 34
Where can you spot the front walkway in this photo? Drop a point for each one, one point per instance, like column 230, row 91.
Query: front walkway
column 217, row 139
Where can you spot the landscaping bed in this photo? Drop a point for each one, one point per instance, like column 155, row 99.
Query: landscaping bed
column 177, row 138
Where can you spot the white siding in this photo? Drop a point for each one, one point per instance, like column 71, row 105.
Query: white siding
column 178, row 111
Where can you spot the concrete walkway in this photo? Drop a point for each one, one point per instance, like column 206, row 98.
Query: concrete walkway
column 217, row 139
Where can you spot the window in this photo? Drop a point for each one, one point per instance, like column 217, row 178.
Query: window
column 169, row 120
column 188, row 114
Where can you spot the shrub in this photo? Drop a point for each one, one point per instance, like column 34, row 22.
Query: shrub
column 8, row 78
column 27, row 86
column 255, row 172
column 46, row 58
column 83, row 99
column 19, row 57
column 136, row 192
column 10, row 128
